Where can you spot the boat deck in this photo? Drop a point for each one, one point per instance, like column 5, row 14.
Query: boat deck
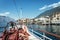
column 33, row 37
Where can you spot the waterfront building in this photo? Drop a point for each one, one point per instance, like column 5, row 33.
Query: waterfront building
column 42, row 20
column 50, row 16
column 56, row 18
column 32, row 20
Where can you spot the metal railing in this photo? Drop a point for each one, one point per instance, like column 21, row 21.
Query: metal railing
column 42, row 35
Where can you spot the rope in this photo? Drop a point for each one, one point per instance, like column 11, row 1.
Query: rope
column 16, row 8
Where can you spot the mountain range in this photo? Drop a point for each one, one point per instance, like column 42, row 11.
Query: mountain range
column 49, row 12
column 4, row 20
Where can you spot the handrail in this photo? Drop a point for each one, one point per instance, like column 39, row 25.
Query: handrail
column 50, row 33
column 41, row 35
column 55, row 35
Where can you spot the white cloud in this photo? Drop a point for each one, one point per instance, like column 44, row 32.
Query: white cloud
column 44, row 7
column 54, row 5
column 4, row 14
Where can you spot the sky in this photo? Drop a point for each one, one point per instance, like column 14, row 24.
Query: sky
column 30, row 8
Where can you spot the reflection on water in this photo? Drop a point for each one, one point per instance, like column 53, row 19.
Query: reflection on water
column 50, row 28
column 53, row 29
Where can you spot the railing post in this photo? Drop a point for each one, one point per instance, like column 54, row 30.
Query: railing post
column 44, row 35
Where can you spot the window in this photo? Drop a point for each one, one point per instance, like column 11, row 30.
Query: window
column 57, row 18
